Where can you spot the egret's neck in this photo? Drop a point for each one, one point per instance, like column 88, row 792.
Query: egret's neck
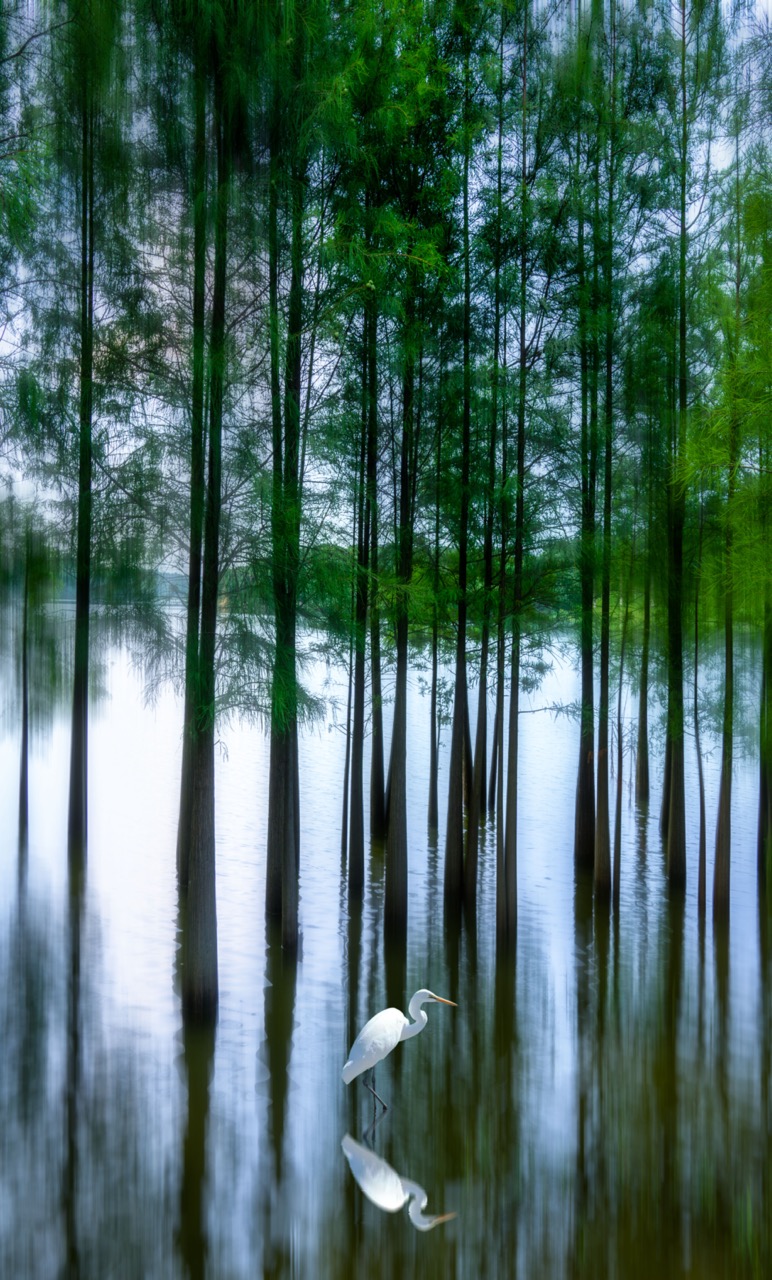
column 418, row 1197
column 419, row 1024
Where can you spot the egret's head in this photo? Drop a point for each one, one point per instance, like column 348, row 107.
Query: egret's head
column 428, row 997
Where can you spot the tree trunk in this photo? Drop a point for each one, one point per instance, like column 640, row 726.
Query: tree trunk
column 724, row 824
column 481, row 743
column 510, row 832
column 197, row 473
column 620, row 744
column 584, row 821
column 764, row 842
column 377, row 772
column 200, row 980
column 77, row 824
column 24, row 753
column 505, row 928
column 676, row 817
column 602, row 835
column 642, row 751
column 357, row 832
column 377, row 786
column 433, row 814
column 395, row 905
column 457, row 881
column 283, row 818
column 701, row 856
column 347, row 763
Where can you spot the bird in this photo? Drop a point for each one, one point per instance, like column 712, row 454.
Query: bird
column 386, row 1189
column 383, row 1033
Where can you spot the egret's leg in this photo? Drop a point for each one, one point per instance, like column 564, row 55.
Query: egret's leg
column 371, row 1087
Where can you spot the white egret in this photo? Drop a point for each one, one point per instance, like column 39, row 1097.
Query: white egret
column 383, row 1186
column 383, row 1033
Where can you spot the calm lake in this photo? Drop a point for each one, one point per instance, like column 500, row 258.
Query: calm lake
column 598, row 1107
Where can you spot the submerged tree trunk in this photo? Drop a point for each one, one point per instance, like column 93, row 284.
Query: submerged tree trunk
column 642, row 749
column 377, row 772
column 674, row 817
column 347, row 763
column 584, row 822
column 24, row 752
column 456, row 882
column 377, row 787
column 701, row 856
column 197, row 473
column 283, row 815
column 395, row 904
column 518, row 596
column 77, row 823
column 505, row 929
column 620, row 743
column 724, row 823
column 357, row 831
column 200, row 980
column 602, row 870
column 764, row 841
column 433, row 813
column 481, row 743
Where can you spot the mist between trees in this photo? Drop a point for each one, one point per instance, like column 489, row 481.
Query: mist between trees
column 423, row 324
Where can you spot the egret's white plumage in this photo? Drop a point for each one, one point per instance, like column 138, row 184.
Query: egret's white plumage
column 384, row 1031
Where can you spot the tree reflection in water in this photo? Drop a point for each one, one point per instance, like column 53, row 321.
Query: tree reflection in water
column 599, row 1103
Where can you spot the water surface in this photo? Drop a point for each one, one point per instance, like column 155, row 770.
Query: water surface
column 598, row 1106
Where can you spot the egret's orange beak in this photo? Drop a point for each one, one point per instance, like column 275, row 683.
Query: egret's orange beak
column 444, row 1217
column 440, row 1000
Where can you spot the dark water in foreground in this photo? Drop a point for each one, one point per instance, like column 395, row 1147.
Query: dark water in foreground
column 601, row 1107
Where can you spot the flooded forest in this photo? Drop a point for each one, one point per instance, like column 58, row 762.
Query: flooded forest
column 386, row 607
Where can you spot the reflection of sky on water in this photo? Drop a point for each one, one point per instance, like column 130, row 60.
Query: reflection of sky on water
column 131, row 1016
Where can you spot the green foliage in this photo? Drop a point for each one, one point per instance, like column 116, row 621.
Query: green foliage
column 376, row 108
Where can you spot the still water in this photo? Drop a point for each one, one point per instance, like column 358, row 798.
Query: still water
column 598, row 1107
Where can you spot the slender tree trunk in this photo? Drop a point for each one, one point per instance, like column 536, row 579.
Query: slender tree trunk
column 602, row 834
column 357, row 831
column 723, row 826
column 395, row 906
column 197, row 472
column 481, row 744
column 505, row 928
column 285, row 786
column 77, row 825
column 764, row 842
column 200, row 980
column 24, row 754
column 273, row 894
column 347, row 758
column 377, row 788
column 620, row 742
column 701, row 856
column 378, row 817
column 456, row 881
column 433, row 815
column 510, row 833
column 347, row 764
column 724, row 823
column 584, row 824
column 676, row 818
column 602, row 858
column 642, row 751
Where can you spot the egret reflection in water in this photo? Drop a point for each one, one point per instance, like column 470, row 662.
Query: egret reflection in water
column 383, row 1186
